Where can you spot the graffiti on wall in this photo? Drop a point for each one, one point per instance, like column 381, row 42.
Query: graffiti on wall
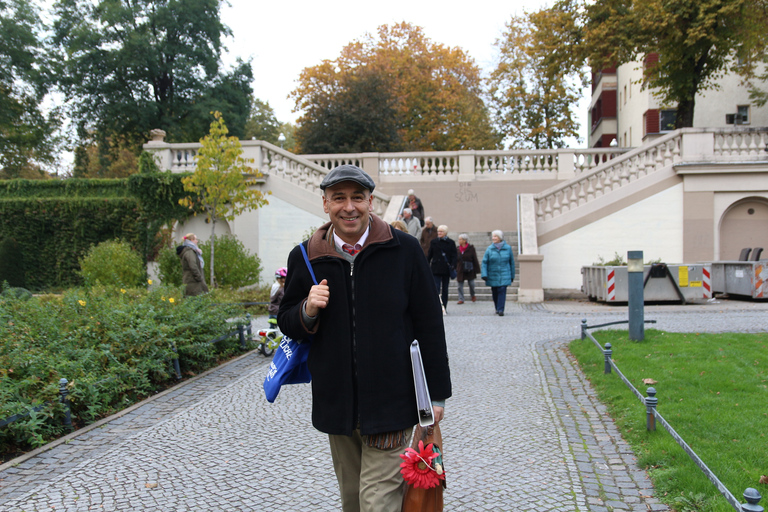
column 465, row 194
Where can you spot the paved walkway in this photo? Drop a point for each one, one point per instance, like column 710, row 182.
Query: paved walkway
column 522, row 432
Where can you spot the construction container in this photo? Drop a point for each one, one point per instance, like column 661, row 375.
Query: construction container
column 744, row 278
column 662, row 283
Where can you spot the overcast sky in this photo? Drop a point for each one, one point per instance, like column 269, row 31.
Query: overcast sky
column 283, row 38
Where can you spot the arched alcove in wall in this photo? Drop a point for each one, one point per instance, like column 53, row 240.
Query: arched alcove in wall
column 744, row 224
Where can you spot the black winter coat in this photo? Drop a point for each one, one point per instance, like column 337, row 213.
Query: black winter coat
column 360, row 358
column 470, row 255
column 437, row 263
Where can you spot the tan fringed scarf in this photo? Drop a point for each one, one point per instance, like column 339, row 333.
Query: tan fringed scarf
column 387, row 440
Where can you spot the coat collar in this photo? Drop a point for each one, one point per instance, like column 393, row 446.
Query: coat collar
column 321, row 242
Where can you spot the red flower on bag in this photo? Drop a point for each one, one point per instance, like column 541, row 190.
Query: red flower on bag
column 418, row 468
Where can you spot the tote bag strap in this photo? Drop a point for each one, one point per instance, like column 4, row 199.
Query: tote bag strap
column 309, row 266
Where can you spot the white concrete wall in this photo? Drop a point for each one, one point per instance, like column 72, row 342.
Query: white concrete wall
column 281, row 226
column 633, row 102
column 654, row 226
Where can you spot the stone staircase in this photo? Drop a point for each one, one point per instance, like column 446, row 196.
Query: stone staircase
column 482, row 240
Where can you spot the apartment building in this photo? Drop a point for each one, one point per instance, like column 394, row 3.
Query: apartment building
column 626, row 114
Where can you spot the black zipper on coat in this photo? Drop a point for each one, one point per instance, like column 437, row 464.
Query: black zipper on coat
column 356, row 405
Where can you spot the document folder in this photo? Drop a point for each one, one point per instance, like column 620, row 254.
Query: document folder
column 423, row 402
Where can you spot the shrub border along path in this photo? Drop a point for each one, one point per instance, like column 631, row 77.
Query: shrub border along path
column 187, row 388
column 594, row 466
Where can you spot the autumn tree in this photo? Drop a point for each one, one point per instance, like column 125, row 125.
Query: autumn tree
column 394, row 91
column 127, row 67
column 537, row 83
column 696, row 42
column 219, row 184
column 28, row 137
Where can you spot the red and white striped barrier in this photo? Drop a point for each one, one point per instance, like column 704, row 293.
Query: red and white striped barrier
column 611, row 285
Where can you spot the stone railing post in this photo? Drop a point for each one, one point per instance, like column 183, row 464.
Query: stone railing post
column 566, row 164
column 531, row 289
column 697, row 147
column 371, row 165
column 466, row 165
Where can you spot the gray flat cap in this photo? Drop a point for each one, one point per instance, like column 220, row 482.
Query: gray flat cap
column 347, row 172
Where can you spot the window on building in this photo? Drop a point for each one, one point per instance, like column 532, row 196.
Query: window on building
column 625, row 94
column 743, row 111
column 667, row 120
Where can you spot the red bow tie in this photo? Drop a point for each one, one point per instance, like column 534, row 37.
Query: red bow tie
column 351, row 249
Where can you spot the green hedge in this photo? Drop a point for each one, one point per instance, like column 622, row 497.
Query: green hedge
column 54, row 233
column 54, row 222
column 64, row 188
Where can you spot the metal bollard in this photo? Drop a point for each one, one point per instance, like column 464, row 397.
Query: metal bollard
column 584, row 329
column 176, row 366
column 63, row 392
column 635, row 295
column 241, row 335
column 607, row 353
column 650, row 404
column 249, row 328
column 753, row 498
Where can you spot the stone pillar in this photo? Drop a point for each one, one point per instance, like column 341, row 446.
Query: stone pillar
column 530, row 278
column 160, row 149
column 466, row 165
column 566, row 162
column 371, row 165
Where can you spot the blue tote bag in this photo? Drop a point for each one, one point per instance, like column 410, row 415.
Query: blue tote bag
column 289, row 364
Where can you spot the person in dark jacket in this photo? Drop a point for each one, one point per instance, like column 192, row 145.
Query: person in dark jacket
column 192, row 265
column 467, row 268
column 498, row 269
column 442, row 258
column 416, row 206
column 374, row 297
column 428, row 234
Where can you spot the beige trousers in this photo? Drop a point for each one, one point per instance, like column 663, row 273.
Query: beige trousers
column 369, row 478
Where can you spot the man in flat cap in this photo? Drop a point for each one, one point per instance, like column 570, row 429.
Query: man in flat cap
column 375, row 296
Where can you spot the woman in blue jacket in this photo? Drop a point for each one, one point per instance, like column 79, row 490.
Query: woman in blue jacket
column 498, row 269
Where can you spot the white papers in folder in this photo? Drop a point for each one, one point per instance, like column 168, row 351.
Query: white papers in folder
column 423, row 402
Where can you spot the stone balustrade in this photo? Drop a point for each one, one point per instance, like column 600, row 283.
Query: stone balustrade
column 557, row 164
column 686, row 145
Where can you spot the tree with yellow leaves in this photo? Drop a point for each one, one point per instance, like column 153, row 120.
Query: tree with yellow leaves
column 396, row 91
column 536, row 84
column 219, row 184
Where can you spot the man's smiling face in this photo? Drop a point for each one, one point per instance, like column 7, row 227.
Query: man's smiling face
column 349, row 207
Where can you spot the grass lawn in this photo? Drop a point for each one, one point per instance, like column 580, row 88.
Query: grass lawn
column 712, row 389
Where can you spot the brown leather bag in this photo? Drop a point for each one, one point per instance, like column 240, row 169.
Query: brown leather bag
column 425, row 500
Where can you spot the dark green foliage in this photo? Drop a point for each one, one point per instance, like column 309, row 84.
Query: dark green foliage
column 112, row 264
column 54, row 222
column 235, row 266
column 262, row 123
column 113, row 347
column 130, row 67
column 11, row 263
column 54, row 233
column 63, row 188
column 16, row 293
column 26, row 132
